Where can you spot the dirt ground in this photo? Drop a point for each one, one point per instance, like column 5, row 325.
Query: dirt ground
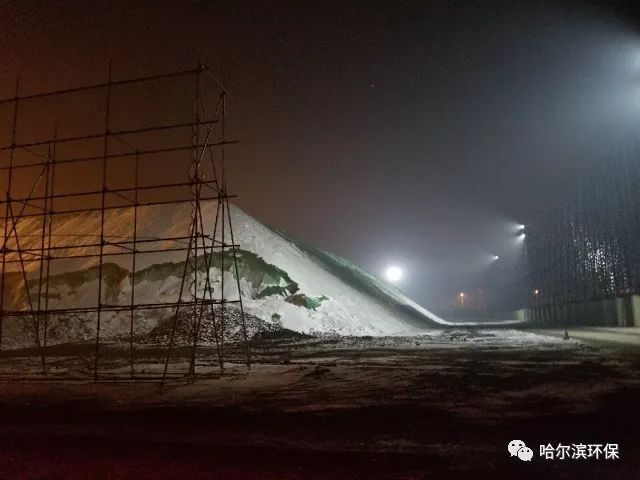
column 441, row 405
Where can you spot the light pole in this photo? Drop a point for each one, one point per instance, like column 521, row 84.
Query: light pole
column 461, row 300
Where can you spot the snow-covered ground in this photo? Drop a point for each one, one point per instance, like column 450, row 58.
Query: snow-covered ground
column 443, row 404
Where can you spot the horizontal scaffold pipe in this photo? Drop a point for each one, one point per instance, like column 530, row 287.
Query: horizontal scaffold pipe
column 116, row 308
column 97, row 86
column 108, row 133
column 109, row 254
column 116, row 243
column 120, row 155
column 113, row 190
column 115, row 207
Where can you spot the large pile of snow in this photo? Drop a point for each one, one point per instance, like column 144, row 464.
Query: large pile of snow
column 282, row 280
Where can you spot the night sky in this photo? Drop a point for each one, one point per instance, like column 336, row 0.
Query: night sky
column 409, row 133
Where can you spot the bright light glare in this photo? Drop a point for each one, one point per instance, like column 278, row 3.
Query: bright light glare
column 522, row 236
column 495, row 257
column 520, row 227
column 393, row 273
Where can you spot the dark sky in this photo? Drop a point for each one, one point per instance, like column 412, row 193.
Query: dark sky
column 414, row 133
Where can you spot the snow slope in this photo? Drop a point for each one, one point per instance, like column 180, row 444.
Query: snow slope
column 282, row 280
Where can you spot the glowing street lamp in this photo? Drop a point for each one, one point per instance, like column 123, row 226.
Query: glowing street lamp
column 393, row 274
column 521, row 232
column 461, row 296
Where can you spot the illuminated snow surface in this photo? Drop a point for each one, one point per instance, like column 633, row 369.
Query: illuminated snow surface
column 283, row 281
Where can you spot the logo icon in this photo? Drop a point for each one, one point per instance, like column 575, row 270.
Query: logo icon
column 517, row 448
column 525, row 454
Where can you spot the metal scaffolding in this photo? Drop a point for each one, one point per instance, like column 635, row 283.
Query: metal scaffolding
column 32, row 171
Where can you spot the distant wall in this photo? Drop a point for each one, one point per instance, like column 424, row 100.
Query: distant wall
column 587, row 246
column 467, row 315
column 623, row 311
